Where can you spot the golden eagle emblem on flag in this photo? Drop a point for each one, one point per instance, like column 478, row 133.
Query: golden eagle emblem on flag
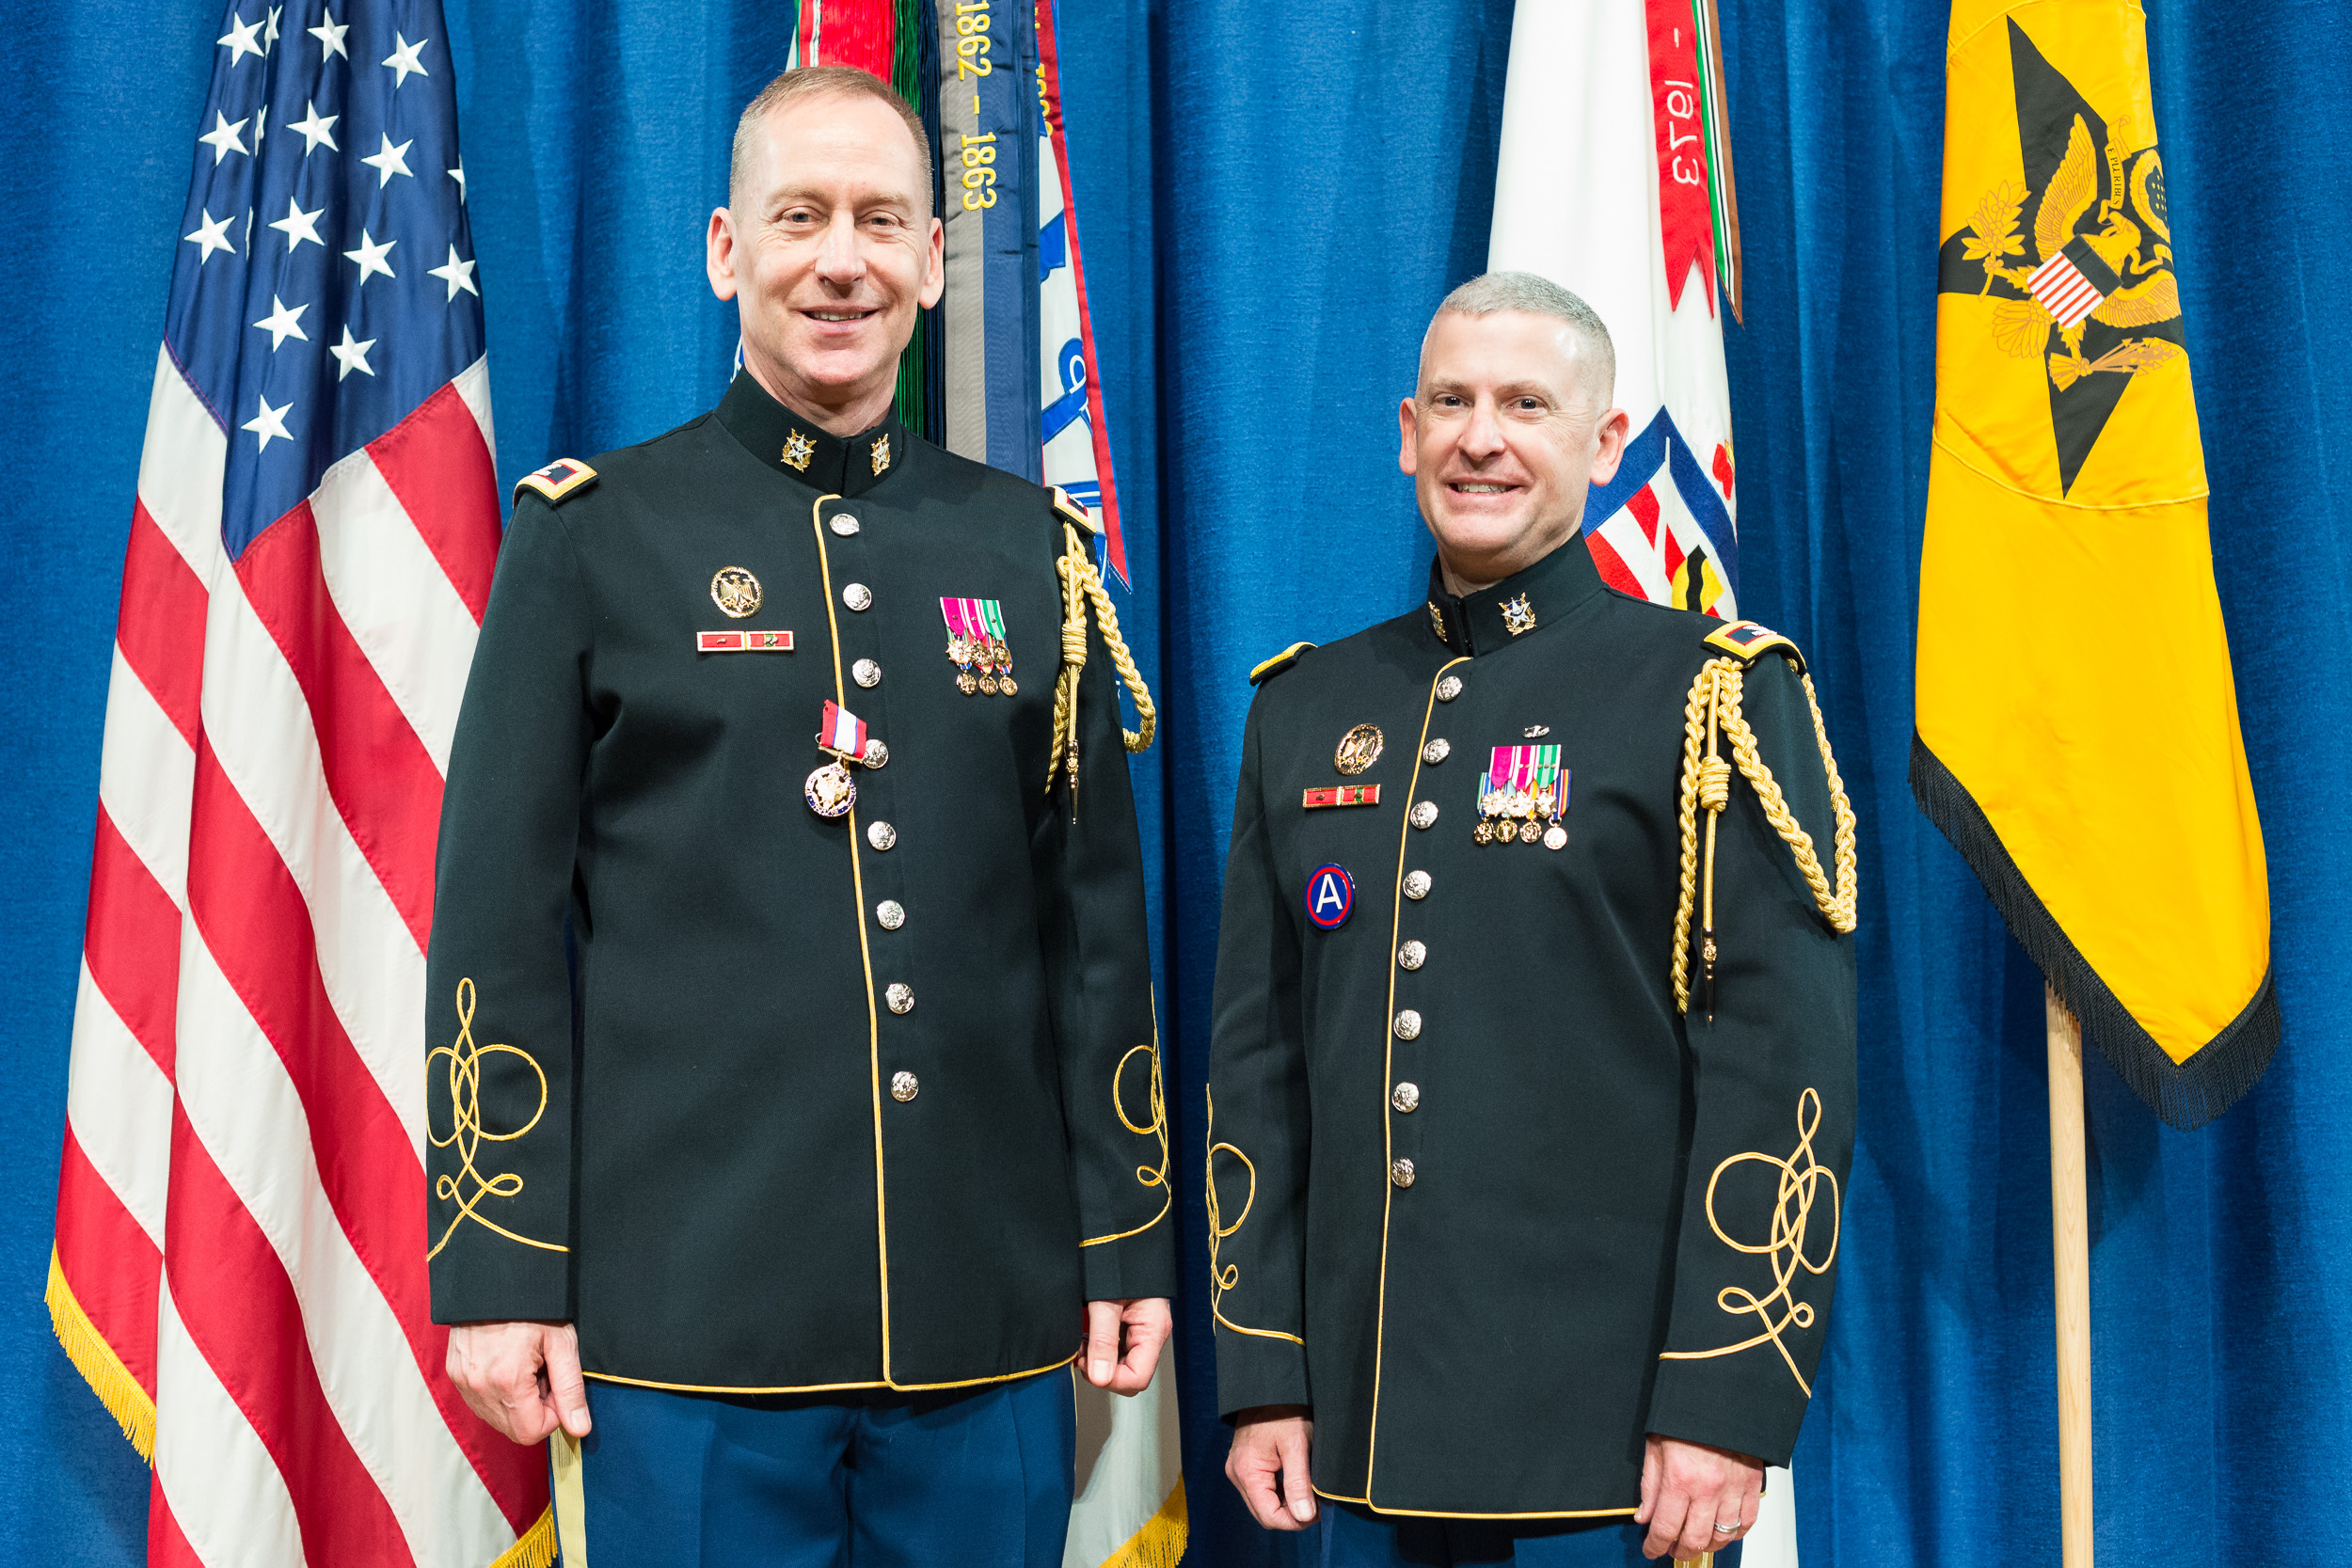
column 2077, row 252
column 2096, row 784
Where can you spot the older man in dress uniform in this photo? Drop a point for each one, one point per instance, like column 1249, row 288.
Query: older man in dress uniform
column 1532, row 1071
column 791, row 1038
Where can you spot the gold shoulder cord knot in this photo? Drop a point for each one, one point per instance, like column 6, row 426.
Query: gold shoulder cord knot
column 1082, row 584
column 1712, row 713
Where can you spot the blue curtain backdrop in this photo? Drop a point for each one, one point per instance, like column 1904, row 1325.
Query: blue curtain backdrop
column 1272, row 198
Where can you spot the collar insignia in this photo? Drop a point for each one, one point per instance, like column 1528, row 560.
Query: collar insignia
column 1519, row 616
column 1437, row 620
column 879, row 452
column 798, row 450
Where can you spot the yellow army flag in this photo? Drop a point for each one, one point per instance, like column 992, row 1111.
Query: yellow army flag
column 2077, row 734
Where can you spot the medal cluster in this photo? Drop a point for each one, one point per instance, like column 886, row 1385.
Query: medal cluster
column 975, row 643
column 1522, row 798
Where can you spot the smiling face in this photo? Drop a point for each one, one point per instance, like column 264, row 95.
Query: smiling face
column 828, row 250
column 1503, row 437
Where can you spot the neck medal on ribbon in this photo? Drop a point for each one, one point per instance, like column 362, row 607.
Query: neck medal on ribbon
column 1522, row 798
column 830, row 791
column 976, row 640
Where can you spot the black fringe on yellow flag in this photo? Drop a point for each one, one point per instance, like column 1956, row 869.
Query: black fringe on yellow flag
column 2077, row 726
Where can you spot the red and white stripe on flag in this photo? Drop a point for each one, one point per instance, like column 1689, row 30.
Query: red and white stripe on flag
column 240, row 1251
column 239, row 1258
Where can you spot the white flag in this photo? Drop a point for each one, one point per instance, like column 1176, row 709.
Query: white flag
column 1130, row 1507
column 1588, row 107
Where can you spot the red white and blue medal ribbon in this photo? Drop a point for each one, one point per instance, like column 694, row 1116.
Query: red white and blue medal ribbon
column 829, row 790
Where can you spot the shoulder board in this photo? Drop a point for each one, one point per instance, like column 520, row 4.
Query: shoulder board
column 1278, row 663
column 565, row 475
column 1746, row 639
column 1072, row 513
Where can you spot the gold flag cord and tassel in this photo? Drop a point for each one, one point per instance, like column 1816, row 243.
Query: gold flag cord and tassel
column 1081, row 585
column 1711, row 714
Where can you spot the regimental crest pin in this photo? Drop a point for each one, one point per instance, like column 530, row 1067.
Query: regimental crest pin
column 1519, row 616
column 734, row 590
column 1522, row 796
column 976, row 645
column 798, row 450
column 1360, row 748
column 879, row 452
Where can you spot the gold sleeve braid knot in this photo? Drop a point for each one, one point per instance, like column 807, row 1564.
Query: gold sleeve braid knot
column 1082, row 585
column 1712, row 714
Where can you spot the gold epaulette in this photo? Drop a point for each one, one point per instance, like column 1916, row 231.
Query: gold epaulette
column 1710, row 715
column 565, row 475
column 1278, row 663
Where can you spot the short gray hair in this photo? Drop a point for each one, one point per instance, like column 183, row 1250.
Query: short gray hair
column 836, row 81
column 1533, row 295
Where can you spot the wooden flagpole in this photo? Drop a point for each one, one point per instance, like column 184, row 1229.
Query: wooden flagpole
column 2070, row 1241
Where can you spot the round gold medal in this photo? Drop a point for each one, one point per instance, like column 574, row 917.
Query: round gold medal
column 987, row 685
column 1529, row 830
column 1360, row 748
column 734, row 590
column 830, row 791
column 966, row 682
column 1006, row 688
column 1483, row 832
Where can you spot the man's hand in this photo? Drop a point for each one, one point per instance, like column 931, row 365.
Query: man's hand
column 1687, row 1489
column 1271, row 1441
column 523, row 1378
column 1146, row 1325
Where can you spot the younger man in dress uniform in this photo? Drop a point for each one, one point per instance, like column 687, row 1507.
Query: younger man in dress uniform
column 790, row 1040
column 1532, row 1070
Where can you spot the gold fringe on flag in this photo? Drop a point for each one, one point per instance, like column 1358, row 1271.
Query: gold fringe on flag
column 100, row 1366
column 534, row 1547
column 1161, row 1541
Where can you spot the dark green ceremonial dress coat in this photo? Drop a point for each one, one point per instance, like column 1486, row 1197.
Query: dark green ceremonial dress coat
column 803, row 1102
column 1483, row 1197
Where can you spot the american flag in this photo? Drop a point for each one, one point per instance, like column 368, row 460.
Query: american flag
column 239, row 1267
